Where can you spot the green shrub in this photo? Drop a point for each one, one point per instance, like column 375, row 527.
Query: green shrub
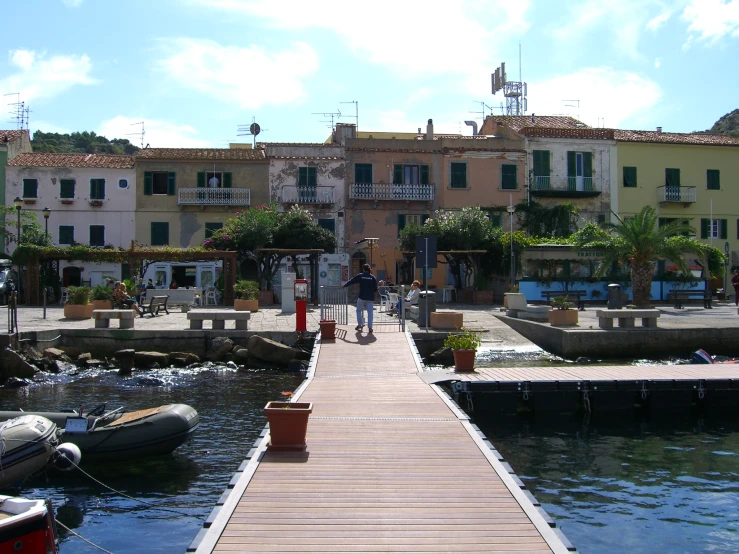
column 101, row 292
column 78, row 295
column 561, row 303
column 464, row 339
column 246, row 290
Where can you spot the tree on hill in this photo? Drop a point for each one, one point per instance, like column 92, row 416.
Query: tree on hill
column 80, row 143
column 727, row 125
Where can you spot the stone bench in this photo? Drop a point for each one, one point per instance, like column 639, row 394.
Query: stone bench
column 446, row 320
column 413, row 312
column 219, row 318
column 626, row 318
column 534, row 312
column 126, row 318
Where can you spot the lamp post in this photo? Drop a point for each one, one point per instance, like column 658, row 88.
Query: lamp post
column 511, row 209
column 47, row 213
column 371, row 243
column 18, row 205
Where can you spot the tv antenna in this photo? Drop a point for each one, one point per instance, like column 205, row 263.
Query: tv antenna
column 513, row 91
column 331, row 115
column 356, row 113
column 575, row 104
column 19, row 111
column 483, row 107
column 140, row 135
column 254, row 129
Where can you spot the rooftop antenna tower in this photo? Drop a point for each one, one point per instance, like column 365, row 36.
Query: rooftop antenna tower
column 513, row 91
column 140, row 135
column 254, row 129
column 331, row 116
column 356, row 113
column 574, row 104
column 19, row 111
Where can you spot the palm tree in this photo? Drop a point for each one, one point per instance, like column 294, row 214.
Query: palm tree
column 640, row 241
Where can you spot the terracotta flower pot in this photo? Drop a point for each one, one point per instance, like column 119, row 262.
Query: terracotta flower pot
column 328, row 329
column 288, row 424
column 78, row 311
column 562, row 318
column 246, row 305
column 464, row 360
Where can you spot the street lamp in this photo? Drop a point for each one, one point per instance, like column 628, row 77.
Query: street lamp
column 18, row 205
column 47, row 213
column 511, row 208
column 371, row 243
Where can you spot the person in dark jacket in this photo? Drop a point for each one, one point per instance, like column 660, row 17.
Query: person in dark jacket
column 367, row 289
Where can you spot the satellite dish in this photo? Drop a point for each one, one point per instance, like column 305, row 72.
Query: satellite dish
column 254, row 129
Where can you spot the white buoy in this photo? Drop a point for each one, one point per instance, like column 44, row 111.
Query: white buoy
column 67, row 456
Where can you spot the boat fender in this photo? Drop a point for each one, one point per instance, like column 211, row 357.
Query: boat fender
column 67, row 456
column 701, row 357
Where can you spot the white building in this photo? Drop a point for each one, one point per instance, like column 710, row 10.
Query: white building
column 92, row 199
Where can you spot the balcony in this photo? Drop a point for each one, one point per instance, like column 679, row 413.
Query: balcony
column 292, row 194
column 385, row 191
column 680, row 195
column 213, row 197
column 563, row 186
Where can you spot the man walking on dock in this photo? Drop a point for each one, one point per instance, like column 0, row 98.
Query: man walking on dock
column 367, row 289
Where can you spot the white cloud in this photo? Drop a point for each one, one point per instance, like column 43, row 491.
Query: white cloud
column 41, row 77
column 158, row 134
column 711, row 20
column 602, row 92
column 414, row 37
column 659, row 20
column 248, row 77
column 72, row 3
column 657, row 63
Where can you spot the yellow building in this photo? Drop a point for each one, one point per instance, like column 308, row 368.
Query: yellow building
column 684, row 176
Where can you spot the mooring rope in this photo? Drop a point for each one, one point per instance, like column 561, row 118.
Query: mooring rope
column 82, row 538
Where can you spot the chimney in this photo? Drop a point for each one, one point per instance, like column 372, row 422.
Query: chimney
column 532, row 118
column 659, row 129
column 472, row 124
column 419, row 130
column 430, row 130
column 344, row 131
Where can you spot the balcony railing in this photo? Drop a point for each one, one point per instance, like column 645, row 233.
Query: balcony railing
column 563, row 183
column 385, row 191
column 686, row 195
column 214, row 197
column 308, row 195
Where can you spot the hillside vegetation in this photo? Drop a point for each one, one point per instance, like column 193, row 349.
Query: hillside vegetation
column 80, row 143
column 727, row 125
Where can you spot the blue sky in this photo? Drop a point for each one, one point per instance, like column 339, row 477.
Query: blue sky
column 194, row 70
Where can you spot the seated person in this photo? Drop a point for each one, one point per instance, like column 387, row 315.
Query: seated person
column 149, row 285
column 140, row 290
column 121, row 297
column 412, row 296
column 173, row 284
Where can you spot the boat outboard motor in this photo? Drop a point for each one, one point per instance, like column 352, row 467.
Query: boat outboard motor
column 701, row 357
column 67, row 456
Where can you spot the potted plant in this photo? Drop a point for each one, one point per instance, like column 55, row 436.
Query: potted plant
column 102, row 297
column 513, row 299
column 288, row 423
column 328, row 329
column 78, row 303
column 246, row 296
column 563, row 313
column 464, row 344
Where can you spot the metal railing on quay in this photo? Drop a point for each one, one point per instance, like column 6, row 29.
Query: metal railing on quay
column 335, row 304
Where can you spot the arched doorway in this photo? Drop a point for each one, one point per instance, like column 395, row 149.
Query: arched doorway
column 71, row 276
column 358, row 260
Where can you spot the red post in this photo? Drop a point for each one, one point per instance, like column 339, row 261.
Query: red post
column 301, row 304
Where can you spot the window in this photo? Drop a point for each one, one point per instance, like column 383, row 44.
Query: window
column 122, row 183
column 410, row 219
column 159, row 233
column 363, row 173
column 541, row 163
column 97, row 189
column 672, row 177
column 66, row 189
column 210, row 228
column 66, row 234
column 410, row 174
column 579, row 164
column 211, row 179
column 714, row 228
column 30, row 188
column 159, row 182
column 496, row 220
column 713, row 181
column 307, row 177
column 662, row 221
column 97, row 235
column 629, row 176
column 508, row 180
column 459, row 175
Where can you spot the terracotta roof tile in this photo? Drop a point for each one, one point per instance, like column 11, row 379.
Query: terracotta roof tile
column 197, row 154
column 518, row 122
column 41, row 159
column 317, row 144
column 328, row 158
column 567, row 132
column 11, row 135
column 675, row 138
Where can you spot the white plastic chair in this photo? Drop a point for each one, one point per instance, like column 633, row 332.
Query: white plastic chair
column 63, row 296
column 210, row 294
column 384, row 300
column 392, row 298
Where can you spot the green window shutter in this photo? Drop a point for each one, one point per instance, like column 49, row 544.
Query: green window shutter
column 66, row 188
column 571, row 171
column 30, row 188
column 66, row 234
column 363, row 173
column 328, row 223
column 629, row 177
column 201, row 179
column 424, row 217
column 97, row 235
column 541, row 163
column 227, row 180
column 704, row 227
column 737, row 228
column 672, row 177
column 149, row 183
column 97, row 189
column 496, row 220
column 724, row 229
column 401, row 223
column 312, row 177
column 171, row 183
column 509, row 177
column 210, row 228
column 159, row 233
column 398, row 174
column 587, row 164
column 125, row 271
column 713, row 179
column 302, row 176
column 425, row 174
column 459, row 175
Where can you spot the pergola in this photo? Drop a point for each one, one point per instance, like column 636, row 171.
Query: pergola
column 134, row 257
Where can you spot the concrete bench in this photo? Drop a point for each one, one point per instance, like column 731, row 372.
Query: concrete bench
column 125, row 318
column 534, row 312
column 446, row 320
column 412, row 312
column 219, row 318
column 626, row 318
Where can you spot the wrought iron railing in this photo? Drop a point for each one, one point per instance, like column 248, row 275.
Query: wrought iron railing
column 676, row 194
column 214, row 197
column 563, row 183
column 385, row 191
column 308, row 195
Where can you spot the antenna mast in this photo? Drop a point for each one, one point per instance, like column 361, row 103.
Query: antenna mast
column 356, row 114
column 331, row 115
column 513, row 91
column 254, row 129
column 20, row 112
column 140, row 135
column 575, row 105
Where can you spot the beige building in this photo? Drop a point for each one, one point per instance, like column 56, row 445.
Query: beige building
column 12, row 143
column 184, row 194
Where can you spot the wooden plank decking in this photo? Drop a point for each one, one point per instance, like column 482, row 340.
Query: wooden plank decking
column 391, row 466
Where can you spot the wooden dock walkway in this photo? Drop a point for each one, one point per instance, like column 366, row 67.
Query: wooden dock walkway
column 392, row 465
